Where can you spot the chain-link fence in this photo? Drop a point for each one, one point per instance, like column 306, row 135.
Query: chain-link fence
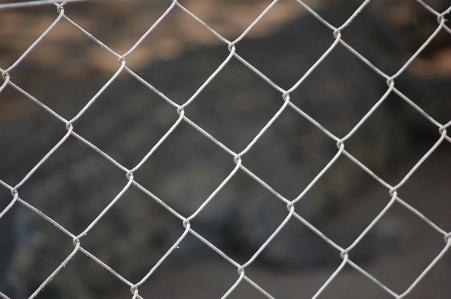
column 249, row 154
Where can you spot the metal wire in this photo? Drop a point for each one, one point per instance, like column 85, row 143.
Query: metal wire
column 238, row 158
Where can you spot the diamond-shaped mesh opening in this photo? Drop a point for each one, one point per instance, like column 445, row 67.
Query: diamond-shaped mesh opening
column 308, row 47
column 192, row 168
column 73, row 187
column 408, row 258
column 36, row 250
column 77, row 81
column 20, row 28
column 237, row 117
column 133, row 234
column 148, row 118
column 290, row 154
column 42, row 129
column 340, row 80
column 181, row 78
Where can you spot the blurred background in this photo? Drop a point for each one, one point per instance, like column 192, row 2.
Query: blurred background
column 67, row 68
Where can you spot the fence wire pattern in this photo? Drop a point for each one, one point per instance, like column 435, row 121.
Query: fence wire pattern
column 238, row 157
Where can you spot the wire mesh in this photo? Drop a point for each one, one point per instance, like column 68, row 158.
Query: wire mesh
column 237, row 156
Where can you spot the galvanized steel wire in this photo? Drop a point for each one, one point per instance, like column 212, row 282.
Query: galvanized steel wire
column 237, row 157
